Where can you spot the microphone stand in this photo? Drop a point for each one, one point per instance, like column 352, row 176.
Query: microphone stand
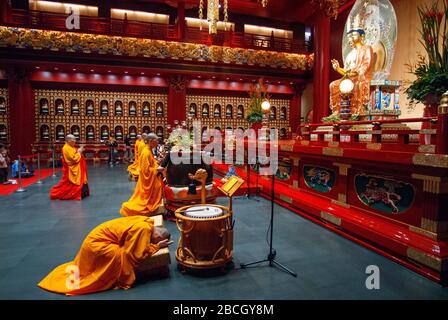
column 272, row 253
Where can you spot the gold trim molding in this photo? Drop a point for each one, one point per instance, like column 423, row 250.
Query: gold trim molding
column 337, row 152
column 430, row 160
column 286, row 198
column 425, row 259
column 427, row 148
column 341, row 204
column 286, row 147
column 133, row 47
column 430, row 184
column 423, row 232
column 305, row 142
column 331, row 218
column 374, row 146
column 343, row 168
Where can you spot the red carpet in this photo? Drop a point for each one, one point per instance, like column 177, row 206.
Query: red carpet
column 10, row 188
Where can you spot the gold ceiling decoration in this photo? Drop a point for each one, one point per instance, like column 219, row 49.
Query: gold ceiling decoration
column 331, row 7
column 213, row 7
column 84, row 43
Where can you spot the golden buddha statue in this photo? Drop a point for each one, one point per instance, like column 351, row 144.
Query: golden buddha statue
column 90, row 134
column 118, row 109
column 132, row 109
column 60, row 107
column 3, row 134
column 146, row 110
column 358, row 67
column 89, row 109
column 2, row 105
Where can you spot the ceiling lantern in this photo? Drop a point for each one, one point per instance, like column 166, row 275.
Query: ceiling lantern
column 213, row 7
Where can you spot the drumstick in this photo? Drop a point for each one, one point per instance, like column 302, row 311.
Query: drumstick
column 195, row 210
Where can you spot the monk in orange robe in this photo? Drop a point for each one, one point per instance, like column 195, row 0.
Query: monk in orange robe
column 133, row 169
column 147, row 196
column 73, row 185
column 108, row 257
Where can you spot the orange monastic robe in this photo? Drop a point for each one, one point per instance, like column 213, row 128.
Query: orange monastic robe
column 133, row 169
column 73, row 185
column 107, row 258
column 147, row 196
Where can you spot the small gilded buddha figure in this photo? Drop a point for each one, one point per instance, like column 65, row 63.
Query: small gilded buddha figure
column 60, row 135
column 358, row 67
column 118, row 109
column 44, row 107
column 104, row 134
column 60, row 107
column 229, row 112
column 146, row 111
column 192, row 110
column 119, row 135
column 76, row 133
column 45, row 136
column 90, row 111
column 90, row 134
column 132, row 109
column 104, row 109
column 75, row 107
column 240, row 113
column 3, row 134
column 217, row 112
column 2, row 105
column 159, row 110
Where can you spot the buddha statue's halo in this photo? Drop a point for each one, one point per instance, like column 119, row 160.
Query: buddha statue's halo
column 378, row 20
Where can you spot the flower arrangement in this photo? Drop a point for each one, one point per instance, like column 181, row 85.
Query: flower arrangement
column 257, row 94
column 431, row 71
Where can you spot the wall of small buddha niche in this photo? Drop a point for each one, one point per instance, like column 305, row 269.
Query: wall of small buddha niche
column 4, row 116
column 92, row 115
column 219, row 112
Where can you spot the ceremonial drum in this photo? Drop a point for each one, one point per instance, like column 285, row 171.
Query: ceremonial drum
column 206, row 239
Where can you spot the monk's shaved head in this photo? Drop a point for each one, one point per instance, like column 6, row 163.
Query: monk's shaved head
column 160, row 234
column 144, row 135
column 139, row 136
column 70, row 137
column 152, row 136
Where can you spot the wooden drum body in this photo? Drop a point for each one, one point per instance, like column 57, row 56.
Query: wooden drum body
column 206, row 239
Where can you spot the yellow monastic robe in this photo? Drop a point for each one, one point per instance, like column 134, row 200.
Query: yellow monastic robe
column 147, row 196
column 133, row 169
column 107, row 258
column 74, row 176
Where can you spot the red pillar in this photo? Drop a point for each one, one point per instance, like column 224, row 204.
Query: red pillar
column 181, row 20
column 295, row 109
column 322, row 62
column 22, row 121
column 5, row 10
column 177, row 100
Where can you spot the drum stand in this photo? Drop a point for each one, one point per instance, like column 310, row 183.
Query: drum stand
column 272, row 253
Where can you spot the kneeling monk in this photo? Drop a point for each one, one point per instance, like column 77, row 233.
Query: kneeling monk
column 73, row 185
column 108, row 257
column 147, row 196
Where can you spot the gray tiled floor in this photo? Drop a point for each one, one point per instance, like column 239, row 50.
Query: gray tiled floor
column 37, row 234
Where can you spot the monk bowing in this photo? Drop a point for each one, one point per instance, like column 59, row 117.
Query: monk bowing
column 108, row 257
column 133, row 169
column 73, row 185
column 147, row 196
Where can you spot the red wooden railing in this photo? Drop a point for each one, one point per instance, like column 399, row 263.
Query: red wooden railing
column 117, row 27
column 400, row 138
